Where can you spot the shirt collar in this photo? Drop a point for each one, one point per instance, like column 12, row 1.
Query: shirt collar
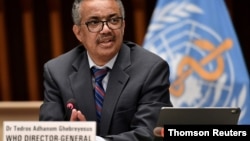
column 110, row 64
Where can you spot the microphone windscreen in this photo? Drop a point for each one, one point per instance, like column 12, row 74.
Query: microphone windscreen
column 159, row 131
column 71, row 104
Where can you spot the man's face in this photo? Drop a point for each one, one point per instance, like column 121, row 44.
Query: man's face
column 102, row 45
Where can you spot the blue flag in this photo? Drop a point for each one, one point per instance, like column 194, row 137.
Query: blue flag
column 197, row 39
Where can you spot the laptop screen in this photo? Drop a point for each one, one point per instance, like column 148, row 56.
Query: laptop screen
column 196, row 116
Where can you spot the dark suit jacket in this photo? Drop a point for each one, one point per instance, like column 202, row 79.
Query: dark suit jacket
column 138, row 87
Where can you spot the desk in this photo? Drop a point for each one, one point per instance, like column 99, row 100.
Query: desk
column 18, row 111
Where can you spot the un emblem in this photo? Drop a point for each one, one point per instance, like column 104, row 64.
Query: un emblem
column 202, row 70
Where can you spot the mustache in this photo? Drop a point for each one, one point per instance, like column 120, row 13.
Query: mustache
column 104, row 38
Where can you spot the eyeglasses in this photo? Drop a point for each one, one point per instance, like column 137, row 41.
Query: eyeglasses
column 97, row 26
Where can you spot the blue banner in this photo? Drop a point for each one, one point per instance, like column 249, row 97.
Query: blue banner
column 197, row 39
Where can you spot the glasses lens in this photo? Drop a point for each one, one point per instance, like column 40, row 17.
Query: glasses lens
column 94, row 26
column 115, row 23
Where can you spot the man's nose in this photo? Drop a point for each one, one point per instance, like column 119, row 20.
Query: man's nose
column 105, row 26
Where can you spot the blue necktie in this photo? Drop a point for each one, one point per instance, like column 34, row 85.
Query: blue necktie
column 99, row 91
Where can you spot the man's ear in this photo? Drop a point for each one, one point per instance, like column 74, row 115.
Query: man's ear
column 77, row 31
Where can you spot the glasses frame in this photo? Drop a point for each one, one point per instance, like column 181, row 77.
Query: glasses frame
column 105, row 22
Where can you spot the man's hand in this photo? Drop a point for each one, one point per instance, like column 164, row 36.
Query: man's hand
column 77, row 116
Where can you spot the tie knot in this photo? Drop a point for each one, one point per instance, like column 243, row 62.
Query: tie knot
column 99, row 74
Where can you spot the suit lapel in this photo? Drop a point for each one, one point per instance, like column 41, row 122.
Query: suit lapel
column 117, row 81
column 81, row 83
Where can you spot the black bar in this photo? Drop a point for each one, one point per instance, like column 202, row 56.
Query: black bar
column 174, row 132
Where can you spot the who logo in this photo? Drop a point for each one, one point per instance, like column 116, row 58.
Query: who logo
column 202, row 65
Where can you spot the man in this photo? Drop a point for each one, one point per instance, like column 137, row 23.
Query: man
column 135, row 87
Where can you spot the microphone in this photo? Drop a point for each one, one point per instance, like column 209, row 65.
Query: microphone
column 159, row 132
column 71, row 104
